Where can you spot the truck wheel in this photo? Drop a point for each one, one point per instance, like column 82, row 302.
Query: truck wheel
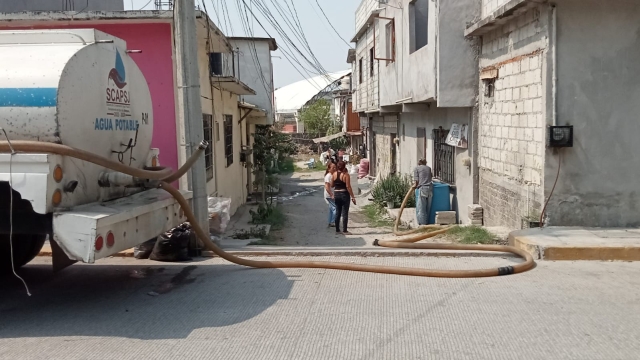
column 25, row 248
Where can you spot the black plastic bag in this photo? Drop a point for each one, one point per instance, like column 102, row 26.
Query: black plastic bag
column 173, row 245
column 143, row 250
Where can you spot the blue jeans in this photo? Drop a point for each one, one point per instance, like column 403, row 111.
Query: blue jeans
column 332, row 210
column 423, row 206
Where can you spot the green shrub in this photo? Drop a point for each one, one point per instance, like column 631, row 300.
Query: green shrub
column 393, row 188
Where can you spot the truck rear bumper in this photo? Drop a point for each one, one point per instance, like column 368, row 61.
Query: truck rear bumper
column 97, row 230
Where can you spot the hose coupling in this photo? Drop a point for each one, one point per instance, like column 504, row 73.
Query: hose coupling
column 505, row 270
column 203, row 145
column 376, row 242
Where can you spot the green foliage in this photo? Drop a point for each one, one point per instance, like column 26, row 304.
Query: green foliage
column 472, row 235
column 376, row 216
column 393, row 188
column 339, row 143
column 268, row 214
column 253, row 233
column 317, row 117
column 269, row 149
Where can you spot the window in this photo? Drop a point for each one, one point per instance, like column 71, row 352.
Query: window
column 215, row 64
column 228, row 139
column 360, row 70
column 371, row 62
column 384, row 39
column 443, row 157
column 418, row 24
column 208, row 153
column 489, row 86
column 390, row 41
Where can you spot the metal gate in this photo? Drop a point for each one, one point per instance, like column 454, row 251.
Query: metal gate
column 443, row 157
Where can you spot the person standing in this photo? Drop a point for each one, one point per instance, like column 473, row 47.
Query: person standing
column 328, row 193
column 325, row 157
column 424, row 191
column 343, row 194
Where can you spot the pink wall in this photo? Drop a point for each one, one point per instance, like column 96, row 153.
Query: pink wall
column 155, row 62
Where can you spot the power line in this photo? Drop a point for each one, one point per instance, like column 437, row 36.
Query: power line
column 330, row 24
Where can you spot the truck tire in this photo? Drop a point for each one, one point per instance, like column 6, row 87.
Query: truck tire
column 25, row 248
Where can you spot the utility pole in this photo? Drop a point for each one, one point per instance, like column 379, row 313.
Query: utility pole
column 189, row 86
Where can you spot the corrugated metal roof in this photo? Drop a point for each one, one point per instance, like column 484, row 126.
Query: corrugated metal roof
column 292, row 97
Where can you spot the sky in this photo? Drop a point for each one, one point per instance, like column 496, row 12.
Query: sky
column 326, row 45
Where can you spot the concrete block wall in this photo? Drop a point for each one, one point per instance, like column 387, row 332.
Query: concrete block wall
column 489, row 6
column 366, row 93
column 512, row 122
column 364, row 10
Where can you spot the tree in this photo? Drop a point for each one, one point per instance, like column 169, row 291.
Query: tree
column 317, row 117
column 269, row 147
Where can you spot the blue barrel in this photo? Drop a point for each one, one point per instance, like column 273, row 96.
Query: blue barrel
column 441, row 200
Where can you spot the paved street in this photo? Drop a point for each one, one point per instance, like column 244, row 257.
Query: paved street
column 213, row 310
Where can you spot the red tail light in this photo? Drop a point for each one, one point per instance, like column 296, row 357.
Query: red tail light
column 111, row 239
column 99, row 243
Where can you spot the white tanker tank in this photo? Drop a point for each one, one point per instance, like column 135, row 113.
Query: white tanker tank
column 82, row 89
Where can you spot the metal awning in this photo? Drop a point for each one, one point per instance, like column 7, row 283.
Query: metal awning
column 232, row 85
column 328, row 138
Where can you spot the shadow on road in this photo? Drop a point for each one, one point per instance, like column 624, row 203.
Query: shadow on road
column 147, row 301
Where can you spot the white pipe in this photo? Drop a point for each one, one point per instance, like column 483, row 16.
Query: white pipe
column 554, row 65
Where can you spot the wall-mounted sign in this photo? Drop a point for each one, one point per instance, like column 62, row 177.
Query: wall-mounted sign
column 458, row 136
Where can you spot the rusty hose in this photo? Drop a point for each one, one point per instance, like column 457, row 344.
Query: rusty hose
column 406, row 243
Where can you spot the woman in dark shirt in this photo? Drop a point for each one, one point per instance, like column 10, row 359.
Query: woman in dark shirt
column 343, row 194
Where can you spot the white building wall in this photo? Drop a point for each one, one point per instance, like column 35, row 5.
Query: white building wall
column 256, row 70
column 408, row 149
column 412, row 76
column 489, row 6
column 364, row 11
column 365, row 92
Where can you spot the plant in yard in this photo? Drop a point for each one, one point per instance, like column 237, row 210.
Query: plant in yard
column 392, row 188
column 472, row 234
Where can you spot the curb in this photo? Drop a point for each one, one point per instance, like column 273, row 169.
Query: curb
column 382, row 252
column 365, row 253
column 569, row 253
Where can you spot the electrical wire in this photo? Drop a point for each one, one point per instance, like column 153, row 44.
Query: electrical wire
column 330, row 24
column 290, row 58
column 552, row 189
column 13, row 266
column 144, row 6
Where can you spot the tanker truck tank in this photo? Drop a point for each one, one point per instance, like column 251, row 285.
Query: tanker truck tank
column 78, row 88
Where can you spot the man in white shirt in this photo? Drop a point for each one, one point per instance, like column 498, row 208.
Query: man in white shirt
column 325, row 157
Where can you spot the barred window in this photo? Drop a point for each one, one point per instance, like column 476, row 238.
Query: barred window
column 228, row 139
column 207, row 126
column 443, row 157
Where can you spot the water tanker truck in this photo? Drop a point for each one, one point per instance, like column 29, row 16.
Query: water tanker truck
column 78, row 88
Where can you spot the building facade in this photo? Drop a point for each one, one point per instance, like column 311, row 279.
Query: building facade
column 563, row 63
column 423, row 72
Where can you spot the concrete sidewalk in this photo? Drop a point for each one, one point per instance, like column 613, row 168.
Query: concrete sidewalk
column 577, row 243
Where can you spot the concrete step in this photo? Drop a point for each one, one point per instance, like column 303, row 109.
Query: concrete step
column 577, row 243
